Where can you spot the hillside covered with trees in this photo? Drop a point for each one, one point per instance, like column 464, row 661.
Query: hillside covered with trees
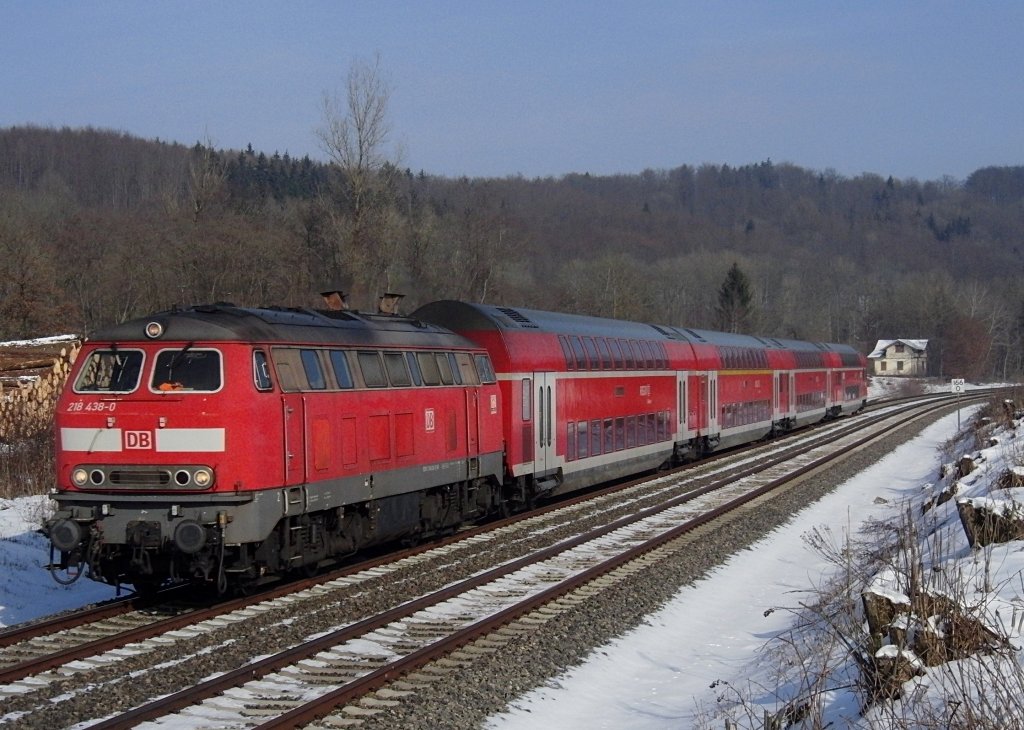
column 97, row 226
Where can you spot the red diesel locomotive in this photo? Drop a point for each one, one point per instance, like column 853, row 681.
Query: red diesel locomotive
column 223, row 445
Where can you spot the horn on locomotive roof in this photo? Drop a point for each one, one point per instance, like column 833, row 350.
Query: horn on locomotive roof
column 388, row 303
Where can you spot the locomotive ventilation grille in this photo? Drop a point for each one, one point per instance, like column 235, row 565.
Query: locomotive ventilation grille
column 517, row 316
column 149, row 478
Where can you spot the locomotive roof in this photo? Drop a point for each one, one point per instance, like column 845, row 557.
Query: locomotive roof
column 226, row 322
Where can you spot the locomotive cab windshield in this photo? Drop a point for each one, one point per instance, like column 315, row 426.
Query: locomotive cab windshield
column 110, row 371
column 117, row 370
column 187, row 369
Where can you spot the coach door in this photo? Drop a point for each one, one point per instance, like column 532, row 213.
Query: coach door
column 712, row 402
column 544, row 434
column 294, row 413
column 473, row 430
column 782, row 395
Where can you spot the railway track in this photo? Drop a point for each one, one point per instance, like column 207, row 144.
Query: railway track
column 554, row 555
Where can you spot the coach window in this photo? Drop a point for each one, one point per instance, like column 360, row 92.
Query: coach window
column 595, row 362
column 662, row 354
column 627, row 354
column 581, row 355
column 372, row 370
column 428, row 367
column 339, row 363
column 527, row 396
column 261, row 371
column 570, row 360
column 616, row 353
column 638, row 356
column 570, row 441
column 582, row 439
column 445, row 368
column 595, row 437
column 311, row 366
column 394, row 363
column 486, row 370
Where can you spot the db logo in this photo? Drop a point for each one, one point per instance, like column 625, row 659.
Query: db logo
column 138, row 439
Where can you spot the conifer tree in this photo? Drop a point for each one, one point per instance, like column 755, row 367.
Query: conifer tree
column 734, row 301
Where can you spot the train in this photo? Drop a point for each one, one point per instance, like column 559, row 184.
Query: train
column 228, row 446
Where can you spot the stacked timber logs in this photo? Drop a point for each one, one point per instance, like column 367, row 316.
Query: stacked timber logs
column 31, row 377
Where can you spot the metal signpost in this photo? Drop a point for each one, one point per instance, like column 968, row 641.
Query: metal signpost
column 957, row 387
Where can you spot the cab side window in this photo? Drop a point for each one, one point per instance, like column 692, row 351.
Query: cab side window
column 339, row 363
column 311, row 366
column 486, row 370
column 261, row 371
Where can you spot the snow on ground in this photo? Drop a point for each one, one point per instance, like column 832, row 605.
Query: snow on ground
column 26, row 589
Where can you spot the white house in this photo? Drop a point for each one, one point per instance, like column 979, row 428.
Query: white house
column 900, row 357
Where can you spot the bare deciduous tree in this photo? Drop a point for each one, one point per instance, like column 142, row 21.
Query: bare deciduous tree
column 355, row 136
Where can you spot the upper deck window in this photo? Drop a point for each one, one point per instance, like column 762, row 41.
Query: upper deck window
column 606, row 354
column 187, row 369
column 110, row 371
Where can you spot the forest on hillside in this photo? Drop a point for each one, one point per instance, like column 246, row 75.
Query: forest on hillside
column 98, row 226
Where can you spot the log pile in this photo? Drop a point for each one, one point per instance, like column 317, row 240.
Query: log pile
column 31, row 377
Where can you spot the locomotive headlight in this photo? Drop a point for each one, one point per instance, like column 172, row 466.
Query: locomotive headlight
column 154, row 330
column 80, row 477
column 203, row 477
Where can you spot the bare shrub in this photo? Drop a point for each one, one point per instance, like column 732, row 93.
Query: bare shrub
column 909, row 387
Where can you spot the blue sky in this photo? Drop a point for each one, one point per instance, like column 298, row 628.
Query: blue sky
column 909, row 89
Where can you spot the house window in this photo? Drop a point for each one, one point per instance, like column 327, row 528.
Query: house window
column 884, row 366
column 899, row 348
column 899, row 365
